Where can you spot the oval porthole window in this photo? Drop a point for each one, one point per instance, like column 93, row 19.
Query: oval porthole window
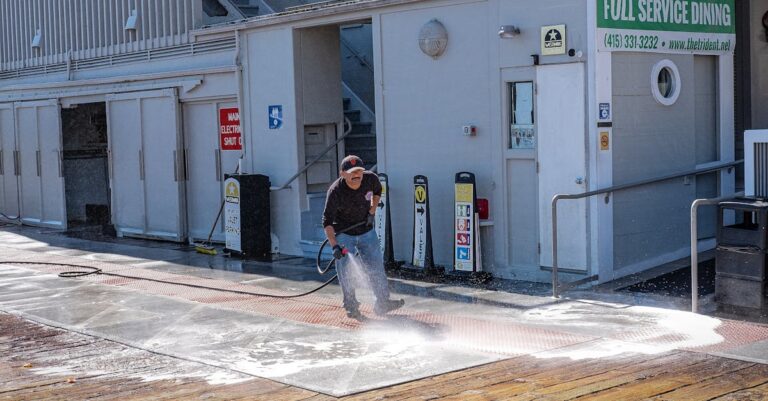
column 665, row 82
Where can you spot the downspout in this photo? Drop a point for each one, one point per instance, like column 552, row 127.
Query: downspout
column 239, row 78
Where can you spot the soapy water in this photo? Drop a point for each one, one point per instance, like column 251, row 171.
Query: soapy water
column 358, row 276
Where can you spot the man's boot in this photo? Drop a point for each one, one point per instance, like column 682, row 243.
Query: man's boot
column 388, row 306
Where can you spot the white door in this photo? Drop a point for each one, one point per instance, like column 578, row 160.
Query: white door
column 163, row 179
column 9, row 190
column 206, row 165
column 520, row 156
column 38, row 137
column 562, row 161
column 51, row 168
column 126, row 171
column 146, row 168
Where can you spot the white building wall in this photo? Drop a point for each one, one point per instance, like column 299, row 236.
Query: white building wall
column 269, row 79
column 426, row 102
column 421, row 104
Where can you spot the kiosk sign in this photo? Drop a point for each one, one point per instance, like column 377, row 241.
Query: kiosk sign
column 420, row 222
column 229, row 129
column 381, row 214
column 666, row 26
column 232, row 214
column 464, row 223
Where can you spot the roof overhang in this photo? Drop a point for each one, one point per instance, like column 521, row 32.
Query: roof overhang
column 311, row 11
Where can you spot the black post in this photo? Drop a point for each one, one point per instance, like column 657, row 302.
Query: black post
column 422, row 227
column 384, row 206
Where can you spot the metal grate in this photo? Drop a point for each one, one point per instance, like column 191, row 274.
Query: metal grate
column 761, row 169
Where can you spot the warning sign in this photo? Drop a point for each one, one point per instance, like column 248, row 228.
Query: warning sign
column 552, row 40
column 229, row 129
column 605, row 141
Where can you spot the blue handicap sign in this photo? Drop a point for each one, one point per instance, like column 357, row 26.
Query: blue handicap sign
column 275, row 116
column 462, row 253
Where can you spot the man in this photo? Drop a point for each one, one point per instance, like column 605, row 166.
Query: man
column 352, row 199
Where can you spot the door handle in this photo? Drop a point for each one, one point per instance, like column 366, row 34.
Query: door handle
column 109, row 164
column 2, row 164
column 217, row 154
column 175, row 166
column 37, row 155
column 16, row 164
column 141, row 165
column 60, row 159
column 186, row 164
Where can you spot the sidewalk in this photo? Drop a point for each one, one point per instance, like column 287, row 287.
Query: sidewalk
column 309, row 342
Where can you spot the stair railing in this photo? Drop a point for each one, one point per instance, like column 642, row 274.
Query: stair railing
column 317, row 158
column 357, row 55
column 558, row 287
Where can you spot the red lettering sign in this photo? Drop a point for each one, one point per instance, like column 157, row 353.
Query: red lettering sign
column 229, row 129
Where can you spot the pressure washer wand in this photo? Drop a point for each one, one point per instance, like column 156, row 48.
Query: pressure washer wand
column 333, row 261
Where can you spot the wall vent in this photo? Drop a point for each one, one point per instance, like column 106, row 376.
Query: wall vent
column 756, row 163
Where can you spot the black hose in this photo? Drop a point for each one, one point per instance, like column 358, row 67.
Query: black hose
column 5, row 216
column 96, row 270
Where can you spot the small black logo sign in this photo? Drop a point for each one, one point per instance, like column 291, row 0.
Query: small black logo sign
column 553, row 39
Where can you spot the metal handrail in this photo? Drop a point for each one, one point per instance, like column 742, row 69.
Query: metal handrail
column 317, row 158
column 555, row 283
column 695, row 242
column 357, row 54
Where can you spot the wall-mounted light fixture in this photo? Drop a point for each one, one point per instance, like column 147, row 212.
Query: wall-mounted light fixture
column 36, row 40
column 433, row 38
column 508, row 31
column 132, row 23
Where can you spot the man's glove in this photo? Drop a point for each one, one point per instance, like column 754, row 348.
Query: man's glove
column 370, row 220
column 338, row 252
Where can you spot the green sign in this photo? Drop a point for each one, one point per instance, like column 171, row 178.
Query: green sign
column 678, row 26
column 706, row 16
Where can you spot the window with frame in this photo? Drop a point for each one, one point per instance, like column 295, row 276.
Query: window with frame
column 522, row 133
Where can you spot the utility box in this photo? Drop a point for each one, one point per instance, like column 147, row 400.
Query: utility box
column 247, row 216
column 740, row 263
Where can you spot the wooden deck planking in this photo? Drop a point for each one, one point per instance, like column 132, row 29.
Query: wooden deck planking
column 758, row 393
column 668, row 381
column 676, row 375
column 586, row 384
column 751, row 376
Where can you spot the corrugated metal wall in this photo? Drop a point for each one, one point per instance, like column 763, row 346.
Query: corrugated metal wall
column 89, row 28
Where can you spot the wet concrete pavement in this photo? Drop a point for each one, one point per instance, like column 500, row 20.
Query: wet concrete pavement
column 309, row 342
